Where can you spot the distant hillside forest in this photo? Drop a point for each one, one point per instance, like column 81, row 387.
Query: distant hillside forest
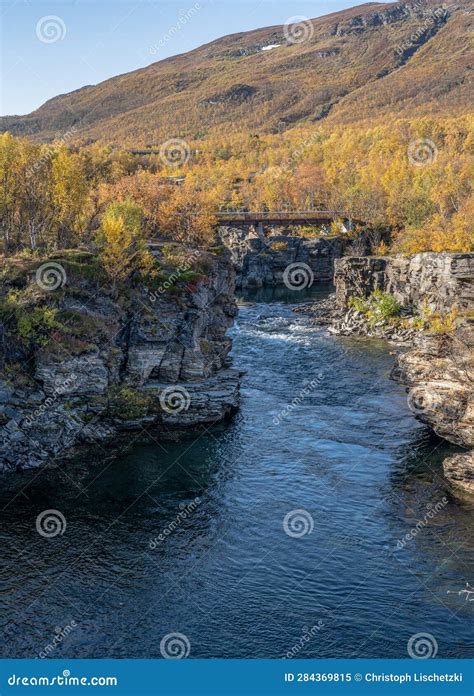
column 376, row 60
column 412, row 177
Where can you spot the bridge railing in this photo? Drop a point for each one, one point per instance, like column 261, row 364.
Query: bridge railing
column 280, row 215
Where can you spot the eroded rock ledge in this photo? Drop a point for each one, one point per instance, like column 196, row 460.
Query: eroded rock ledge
column 438, row 281
column 155, row 361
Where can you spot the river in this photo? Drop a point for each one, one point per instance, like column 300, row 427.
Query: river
column 280, row 533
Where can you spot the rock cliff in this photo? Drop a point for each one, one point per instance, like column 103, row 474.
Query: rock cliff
column 437, row 281
column 155, row 359
column 438, row 372
column 261, row 261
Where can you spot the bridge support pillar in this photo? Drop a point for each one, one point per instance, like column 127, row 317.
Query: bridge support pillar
column 259, row 228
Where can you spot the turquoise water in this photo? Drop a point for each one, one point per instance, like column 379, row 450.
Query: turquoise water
column 322, row 431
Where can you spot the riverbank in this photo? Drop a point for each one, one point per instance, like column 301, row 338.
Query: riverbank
column 424, row 306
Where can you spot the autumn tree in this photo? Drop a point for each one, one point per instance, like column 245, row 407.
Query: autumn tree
column 123, row 248
column 143, row 188
column 69, row 196
column 188, row 216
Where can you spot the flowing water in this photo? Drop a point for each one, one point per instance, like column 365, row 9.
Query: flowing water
column 281, row 533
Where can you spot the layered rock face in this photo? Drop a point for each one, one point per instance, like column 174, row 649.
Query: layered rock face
column 158, row 361
column 438, row 369
column 438, row 281
column 261, row 262
column 439, row 375
column 459, row 470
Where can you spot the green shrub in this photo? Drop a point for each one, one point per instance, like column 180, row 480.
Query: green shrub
column 379, row 306
column 436, row 322
column 31, row 324
column 439, row 323
column 82, row 325
column 360, row 304
column 127, row 403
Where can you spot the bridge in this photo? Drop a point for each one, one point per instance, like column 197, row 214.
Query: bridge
column 279, row 217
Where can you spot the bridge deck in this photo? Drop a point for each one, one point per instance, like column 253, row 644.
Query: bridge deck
column 296, row 217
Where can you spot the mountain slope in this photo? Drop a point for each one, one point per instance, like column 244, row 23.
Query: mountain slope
column 370, row 61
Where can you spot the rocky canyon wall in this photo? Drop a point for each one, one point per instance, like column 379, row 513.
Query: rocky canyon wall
column 437, row 281
column 153, row 360
column 261, row 262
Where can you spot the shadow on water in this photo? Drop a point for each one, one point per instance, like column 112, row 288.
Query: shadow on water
column 282, row 294
column 200, row 537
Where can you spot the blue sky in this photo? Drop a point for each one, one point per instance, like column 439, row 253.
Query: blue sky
column 87, row 41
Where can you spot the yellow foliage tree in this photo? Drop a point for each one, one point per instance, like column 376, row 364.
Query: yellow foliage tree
column 123, row 248
column 188, row 217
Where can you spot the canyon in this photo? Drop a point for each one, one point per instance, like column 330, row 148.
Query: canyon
column 437, row 368
column 158, row 365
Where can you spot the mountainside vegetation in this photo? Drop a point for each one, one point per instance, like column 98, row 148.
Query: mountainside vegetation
column 408, row 59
